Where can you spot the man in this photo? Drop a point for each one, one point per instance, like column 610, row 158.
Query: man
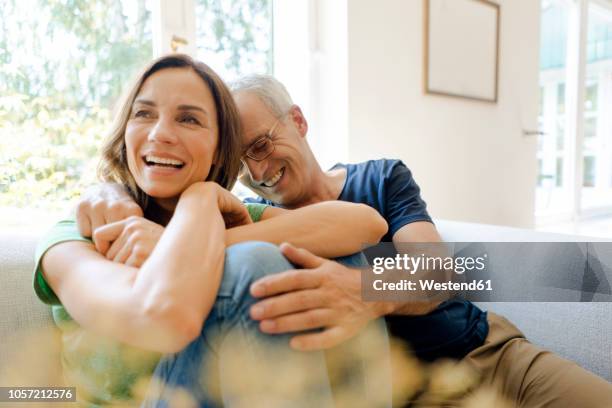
column 281, row 168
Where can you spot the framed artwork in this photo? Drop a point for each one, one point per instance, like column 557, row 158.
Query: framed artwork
column 462, row 48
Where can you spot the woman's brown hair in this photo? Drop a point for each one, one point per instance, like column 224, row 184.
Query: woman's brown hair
column 113, row 165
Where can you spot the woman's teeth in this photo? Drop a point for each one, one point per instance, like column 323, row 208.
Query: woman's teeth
column 162, row 161
column 271, row 182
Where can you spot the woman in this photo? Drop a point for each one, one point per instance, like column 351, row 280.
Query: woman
column 178, row 127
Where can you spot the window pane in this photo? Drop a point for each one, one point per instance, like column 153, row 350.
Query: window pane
column 559, row 172
column 62, row 67
column 234, row 37
column 561, row 98
column 589, row 172
column 560, row 132
column 590, row 101
column 597, row 146
column 553, row 195
column 590, row 128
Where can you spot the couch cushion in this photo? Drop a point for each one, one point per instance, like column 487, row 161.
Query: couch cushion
column 580, row 332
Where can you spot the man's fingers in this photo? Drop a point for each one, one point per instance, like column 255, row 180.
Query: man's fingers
column 116, row 246
column 106, row 234
column 328, row 338
column 310, row 319
column 123, row 254
column 287, row 303
column 83, row 222
column 97, row 220
column 300, row 256
column 293, row 279
column 120, row 210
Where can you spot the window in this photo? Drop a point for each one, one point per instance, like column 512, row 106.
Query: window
column 572, row 194
column 63, row 66
column 235, row 36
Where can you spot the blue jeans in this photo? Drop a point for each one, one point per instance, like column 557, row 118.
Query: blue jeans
column 232, row 359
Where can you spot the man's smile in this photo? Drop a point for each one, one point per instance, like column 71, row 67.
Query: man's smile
column 271, row 182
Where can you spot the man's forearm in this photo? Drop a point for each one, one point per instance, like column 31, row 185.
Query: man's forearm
column 324, row 229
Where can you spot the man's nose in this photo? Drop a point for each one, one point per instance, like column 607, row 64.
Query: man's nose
column 162, row 132
column 256, row 169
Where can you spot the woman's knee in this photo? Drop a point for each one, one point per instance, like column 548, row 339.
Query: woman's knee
column 249, row 261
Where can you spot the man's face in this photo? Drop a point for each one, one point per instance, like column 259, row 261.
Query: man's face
column 282, row 176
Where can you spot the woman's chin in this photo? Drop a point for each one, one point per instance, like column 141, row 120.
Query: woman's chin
column 162, row 192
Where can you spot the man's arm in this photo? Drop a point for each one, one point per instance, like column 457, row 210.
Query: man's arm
column 420, row 231
column 329, row 229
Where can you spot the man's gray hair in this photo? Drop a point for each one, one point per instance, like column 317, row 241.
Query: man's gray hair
column 269, row 90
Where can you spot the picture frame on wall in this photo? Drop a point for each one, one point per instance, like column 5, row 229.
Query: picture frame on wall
column 462, row 49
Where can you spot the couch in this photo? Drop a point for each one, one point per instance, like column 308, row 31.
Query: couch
column 579, row 331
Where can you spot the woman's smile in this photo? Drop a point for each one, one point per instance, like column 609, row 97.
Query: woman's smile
column 162, row 165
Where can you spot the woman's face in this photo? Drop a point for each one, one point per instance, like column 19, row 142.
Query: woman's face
column 172, row 135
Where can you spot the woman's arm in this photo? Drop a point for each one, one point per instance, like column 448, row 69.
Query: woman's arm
column 160, row 306
column 329, row 229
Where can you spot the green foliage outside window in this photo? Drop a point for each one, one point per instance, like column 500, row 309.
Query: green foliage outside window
column 63, row 64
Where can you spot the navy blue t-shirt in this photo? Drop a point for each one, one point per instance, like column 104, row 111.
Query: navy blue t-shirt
column 456, row 326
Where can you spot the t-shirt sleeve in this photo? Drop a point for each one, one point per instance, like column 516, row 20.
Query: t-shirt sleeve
column 63, row 231
column 403, row 199
column 255, row 210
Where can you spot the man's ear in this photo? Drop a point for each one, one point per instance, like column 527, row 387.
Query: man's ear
column 299, row 120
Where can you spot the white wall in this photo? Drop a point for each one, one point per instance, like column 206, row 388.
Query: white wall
column 470, row 158
column 310, row 59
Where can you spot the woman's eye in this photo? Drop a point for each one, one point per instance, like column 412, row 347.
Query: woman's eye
column 192, row 120
column 142, row 114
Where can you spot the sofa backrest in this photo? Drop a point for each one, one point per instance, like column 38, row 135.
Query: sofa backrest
column 30, row 341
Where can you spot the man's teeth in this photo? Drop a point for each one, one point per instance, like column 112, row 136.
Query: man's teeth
column 150, row 159
column 271, row 182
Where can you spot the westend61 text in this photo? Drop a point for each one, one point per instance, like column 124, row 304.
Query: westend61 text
column 429, row 284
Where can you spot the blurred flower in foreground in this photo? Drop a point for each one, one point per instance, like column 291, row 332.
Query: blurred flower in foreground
column 284, row 379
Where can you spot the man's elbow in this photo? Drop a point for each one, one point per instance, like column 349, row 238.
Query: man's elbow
column 377, row 226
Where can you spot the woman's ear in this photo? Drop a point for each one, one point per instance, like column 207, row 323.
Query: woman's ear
column 299, row 120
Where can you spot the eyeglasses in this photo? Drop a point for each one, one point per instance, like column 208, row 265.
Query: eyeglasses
column 263, row 146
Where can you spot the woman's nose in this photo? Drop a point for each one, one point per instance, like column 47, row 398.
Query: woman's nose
column 162, row 132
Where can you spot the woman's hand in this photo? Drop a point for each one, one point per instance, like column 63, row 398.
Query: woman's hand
column 234, row 212
column 133, row 240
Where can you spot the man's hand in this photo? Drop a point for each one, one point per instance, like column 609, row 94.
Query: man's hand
column 133, row 240
column 104, row 204
column 324, row 295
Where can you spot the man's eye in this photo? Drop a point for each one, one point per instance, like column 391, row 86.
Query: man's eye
column 260, row 146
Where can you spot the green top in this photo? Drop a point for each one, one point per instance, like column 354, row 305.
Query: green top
column 103, row 370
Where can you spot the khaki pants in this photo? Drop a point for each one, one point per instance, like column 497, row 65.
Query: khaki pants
column 532, row 377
